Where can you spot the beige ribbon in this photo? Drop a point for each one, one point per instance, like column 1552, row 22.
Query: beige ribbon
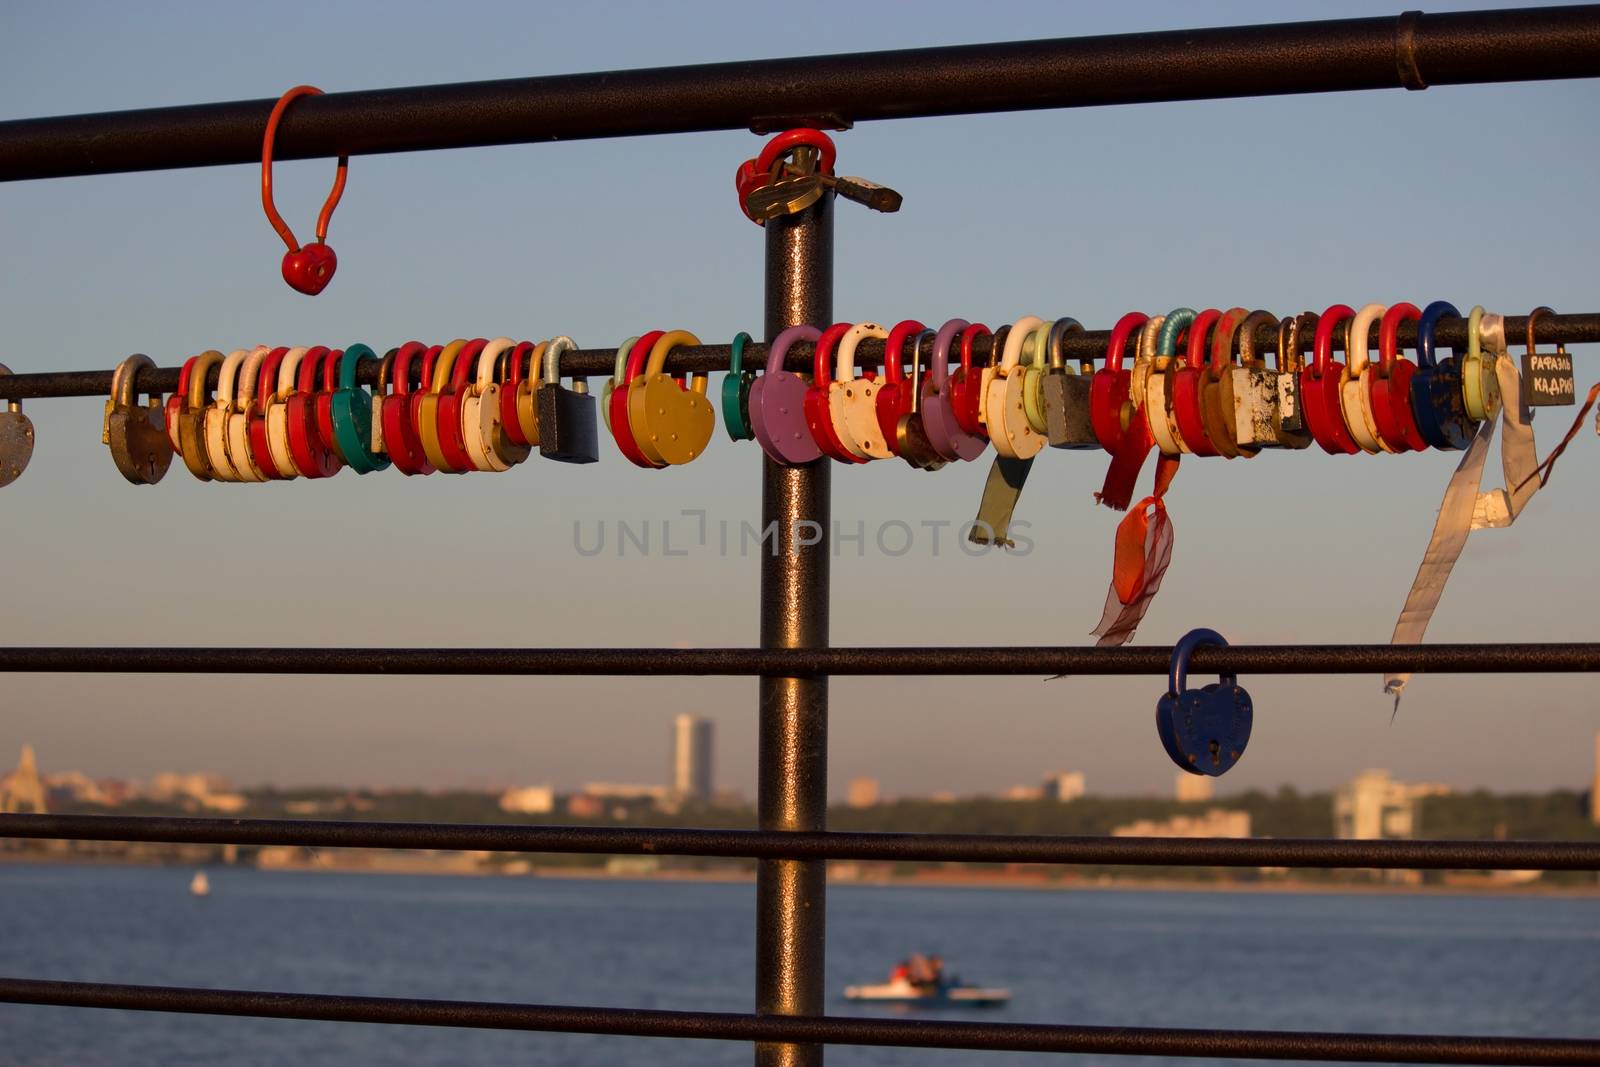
column 1464, row 507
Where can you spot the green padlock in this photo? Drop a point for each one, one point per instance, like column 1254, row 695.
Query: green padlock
column 736, row 393
column 352, row 415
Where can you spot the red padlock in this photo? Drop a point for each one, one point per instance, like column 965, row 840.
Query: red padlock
column 324, row 403
column 311, row 454
column 1108, row 389
column 894, row 399
column 510, row 423
column 266, row 383
column 451, row 440
column 789, row 140
column 1390, row 386
column 412, row 410
column 621, row 428
column 1186, row 384
column 819, row 417
column 175, row 405
column 400, row 438
column 966, row 385
column 1321, row 384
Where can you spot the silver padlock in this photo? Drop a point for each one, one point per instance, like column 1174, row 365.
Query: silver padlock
column 16, row 439
column 1254, row 389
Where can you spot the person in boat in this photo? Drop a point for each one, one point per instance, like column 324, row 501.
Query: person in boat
column 901, row 973
column 936, row 968
column 920, row 971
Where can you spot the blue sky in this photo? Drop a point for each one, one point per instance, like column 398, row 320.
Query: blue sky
column 1473, row 194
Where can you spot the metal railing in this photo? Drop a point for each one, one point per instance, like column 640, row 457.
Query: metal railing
column 792, row 844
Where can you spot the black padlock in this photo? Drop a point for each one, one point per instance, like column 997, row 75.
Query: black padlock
column 1205, row 730
column 567, row 428
column 1066, row 393
column 911, row 436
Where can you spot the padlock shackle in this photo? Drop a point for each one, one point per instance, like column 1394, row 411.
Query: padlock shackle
column 197, row 368
column 310, row 364
column 1475, row 333
column 658, row 358
column 736, row 353
column 893, row 349
column 289, row 370
column 461, row 372
column 1247, row 338
column 789, row 140
column 123, row 388
column 402, row 367
column 1016, row 341
column 443, row 363
column 1355, row 349
column 939, row 361
column 1146, row 352
column 552, row 358
column 1223, row 336
column 1430, row 317
column 1291, row 340
column 519, row 354
column 228, row 378
column 822, row 364
column 1178, row 319
column 1118, row 341
column 1389, row 334
column 1199, row 338
column 969, row 337
column 349, row 360
column 1322, row 345
column 779, row 348
column 1060, row 330
column 1533, row 316
column 845, row 366
column 493, row 352
column 636, row 357
column 385, row 373
column 249, row 377
column 619, row 370
column 1178, row 670
column 916, row 367
column 330, row 370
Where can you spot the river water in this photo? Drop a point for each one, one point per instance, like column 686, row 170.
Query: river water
column 1365, row 962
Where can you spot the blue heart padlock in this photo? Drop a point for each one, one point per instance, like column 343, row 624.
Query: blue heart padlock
column 1203, row 730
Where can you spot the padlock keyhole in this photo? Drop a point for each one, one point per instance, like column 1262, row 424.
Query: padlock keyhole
column 1216, row 750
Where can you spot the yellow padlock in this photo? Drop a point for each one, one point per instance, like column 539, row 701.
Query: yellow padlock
column 428, row 406
column 670, row 424
column 192, row 417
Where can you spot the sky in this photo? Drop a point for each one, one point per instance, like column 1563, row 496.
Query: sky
column 1472, row 194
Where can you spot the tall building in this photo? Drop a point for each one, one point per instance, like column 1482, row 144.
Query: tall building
column 1191, row 788
column 691, row 757
column 21, row 791
column 863, row 792
column 1064, row 786
column 1374, row 806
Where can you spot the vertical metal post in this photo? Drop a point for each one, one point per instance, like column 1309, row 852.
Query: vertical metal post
column 793, row 791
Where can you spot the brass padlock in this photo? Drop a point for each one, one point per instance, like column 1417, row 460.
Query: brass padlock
column 16, row 439
column 1066, row 392
column 192, row 416
column 911, row 436
column 671, row 423
column 568, row 429
column 137, row 434
column 1289, row 420
column 1252, row 389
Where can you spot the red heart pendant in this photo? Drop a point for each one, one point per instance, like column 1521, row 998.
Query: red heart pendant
column 310, row 270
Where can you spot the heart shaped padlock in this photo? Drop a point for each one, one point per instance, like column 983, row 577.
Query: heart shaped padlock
column 1205, row 730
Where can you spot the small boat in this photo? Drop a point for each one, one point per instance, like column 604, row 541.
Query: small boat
column 200, row 885
column 900, row 991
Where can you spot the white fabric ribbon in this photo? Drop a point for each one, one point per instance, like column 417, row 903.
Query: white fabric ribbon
column 1464, row 507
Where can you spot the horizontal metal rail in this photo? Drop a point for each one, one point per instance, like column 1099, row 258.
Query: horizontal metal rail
column 819, row 845
column 589, row 362
column 1411, row 50
column 1568, row 658
column 827, row 1029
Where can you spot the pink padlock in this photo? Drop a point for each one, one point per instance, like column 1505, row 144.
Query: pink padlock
column 938, row 417
column 778, row 403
